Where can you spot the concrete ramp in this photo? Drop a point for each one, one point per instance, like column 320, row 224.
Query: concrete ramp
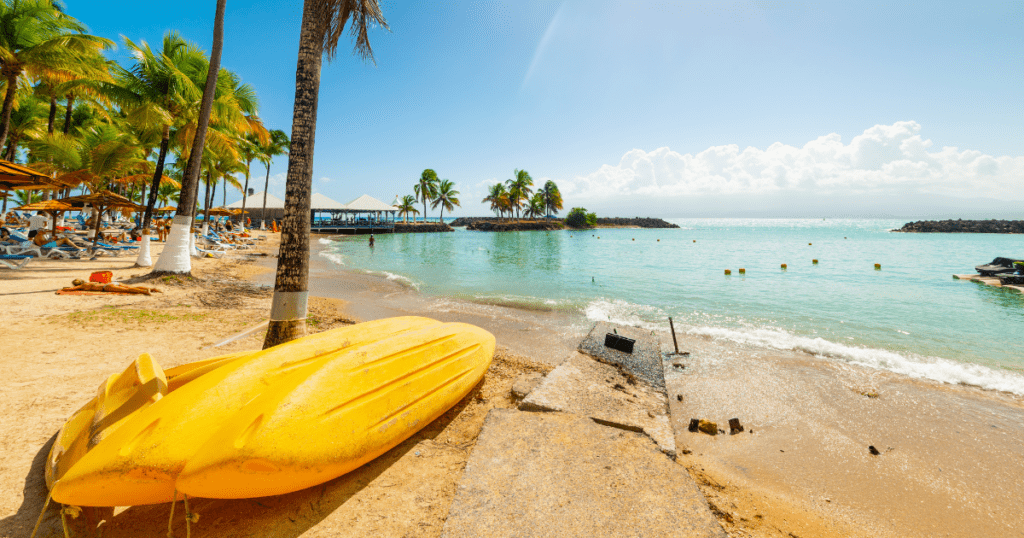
column 562, row 475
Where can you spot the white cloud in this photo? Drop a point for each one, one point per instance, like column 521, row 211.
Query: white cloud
column 325, row 180
column 885, row 159
column 278, row 179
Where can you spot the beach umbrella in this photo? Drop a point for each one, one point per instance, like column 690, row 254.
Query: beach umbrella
column 53, row 207
column 17, row 177
column 222, row 212
column 102, row 201
column 165, row 209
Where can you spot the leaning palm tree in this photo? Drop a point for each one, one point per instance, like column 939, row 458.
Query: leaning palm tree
column 323, row 22
column 426, row 189
column 176, row 256
column 446, row 198
column 407, row 205
column 535, row 208
column 39, row 40
column 494, row 196
column 552, row 198
column 278, row 145
column 519, row 188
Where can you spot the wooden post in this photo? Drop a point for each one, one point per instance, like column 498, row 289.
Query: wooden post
column 673, row 328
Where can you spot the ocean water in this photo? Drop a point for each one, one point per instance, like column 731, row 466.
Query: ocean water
column 910, row 317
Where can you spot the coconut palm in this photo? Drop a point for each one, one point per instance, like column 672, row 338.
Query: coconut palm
column 39, row 40
column 323, row 21
column 27, row 197
column 519, row 189
column 407, row 205
column 278, row 145
column 426, row 189
column 175, row 256
column 494, row 197
column 27, row 121
column 535, row 208
column 156, row 92
column 552, row 198
column 446, row 197
column 167, row 192
column 248, row 151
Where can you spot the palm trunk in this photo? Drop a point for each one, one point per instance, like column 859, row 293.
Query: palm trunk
column 158, row 175
column 53, row 114
column 263, row 212
column 5, row 126
column 178, row 247
column 289, row 308
column 12, row 149
column 67, row 113
column 245, row 194
column 206, row 201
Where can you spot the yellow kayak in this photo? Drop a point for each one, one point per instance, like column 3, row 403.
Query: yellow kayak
column 285, row 418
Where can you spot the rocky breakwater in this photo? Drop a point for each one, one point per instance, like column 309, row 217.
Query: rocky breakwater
column 638, row 222
column 965, row 226
column 421, row 227
column 514, row 225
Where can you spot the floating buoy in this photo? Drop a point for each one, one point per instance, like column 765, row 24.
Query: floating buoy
column 659, row 240
column 694, row 240
column 743, row 271
column 878, row 266
column 728, row 272
column 783, row 266
column 634, row 239
column 814, row 261
column 808, row 244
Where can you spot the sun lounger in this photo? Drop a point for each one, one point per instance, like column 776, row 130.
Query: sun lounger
column 51, row 250
column 14, row 262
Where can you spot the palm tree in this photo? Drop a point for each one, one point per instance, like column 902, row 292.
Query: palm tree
column 248, row 151
column 519, row 188
column 166, row 192
column 175, row 257
column 26, row 122
column 156, row 92
column 322, row 25
column 27, row 197
column 446, row 197
column 426, row 189
column 494, row 197
column 552, row 198
column 407, row 205
column 38, row 40
column 278, row 145
column 535, row 208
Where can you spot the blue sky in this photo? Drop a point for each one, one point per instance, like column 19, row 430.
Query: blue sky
column 660, row 108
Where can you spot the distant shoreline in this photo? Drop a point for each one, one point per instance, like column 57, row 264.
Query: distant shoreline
column 491, row 224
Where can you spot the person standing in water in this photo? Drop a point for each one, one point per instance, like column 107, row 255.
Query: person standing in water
column 371, row 240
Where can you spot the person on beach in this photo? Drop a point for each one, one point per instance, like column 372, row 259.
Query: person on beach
column 5, row 237
column 41, row 238
column 371, row 240
column 112, row 287
column 37, row 221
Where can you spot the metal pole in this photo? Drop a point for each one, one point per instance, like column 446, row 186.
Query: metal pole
column 674, row 342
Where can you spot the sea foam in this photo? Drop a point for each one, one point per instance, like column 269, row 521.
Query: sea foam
column 933, row 368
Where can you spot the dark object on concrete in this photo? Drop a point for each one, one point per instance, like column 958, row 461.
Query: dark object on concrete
column 735, row 426
column 535, row 475
column 965, row 226
column 644, row 362
column 525, row 384
column 679, row 397
column 679, row 365
column 998, row 265
column 874, row 451
column 672, row 327
column 694, row 424
column 708, row 427
column 620, row 343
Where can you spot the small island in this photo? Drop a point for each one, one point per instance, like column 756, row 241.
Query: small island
column 992, row 226
column 491, row 224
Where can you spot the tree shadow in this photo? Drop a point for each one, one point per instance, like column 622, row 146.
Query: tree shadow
column 281, row 516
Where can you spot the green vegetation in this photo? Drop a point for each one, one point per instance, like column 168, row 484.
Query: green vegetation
column 515, row 195
column 579, row 218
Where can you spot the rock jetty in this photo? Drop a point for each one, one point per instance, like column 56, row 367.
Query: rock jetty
column 421, row 227
column 964, row 226
column 638, row 222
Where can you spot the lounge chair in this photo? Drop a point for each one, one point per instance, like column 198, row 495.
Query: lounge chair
column 52, row 250
column 15, row 262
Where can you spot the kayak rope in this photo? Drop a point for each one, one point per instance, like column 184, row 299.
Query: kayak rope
column 170, row 522
column 188, row 519
column 40, row 520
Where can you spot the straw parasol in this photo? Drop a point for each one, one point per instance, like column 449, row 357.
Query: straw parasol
column 165, row 209
column 53, row 207
column 102, row 201
column 222, row 212
column 14, row 176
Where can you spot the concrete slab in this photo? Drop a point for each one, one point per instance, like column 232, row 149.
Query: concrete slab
column 644, row 362
column 583, row 386
column 553, row 474
column 525, row 383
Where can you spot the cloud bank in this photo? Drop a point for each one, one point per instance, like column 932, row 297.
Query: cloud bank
column 887, row 160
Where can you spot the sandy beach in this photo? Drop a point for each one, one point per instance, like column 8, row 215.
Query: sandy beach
column 949, row 456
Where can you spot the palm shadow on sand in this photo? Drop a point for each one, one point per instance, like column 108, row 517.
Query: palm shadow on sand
column 282, row 516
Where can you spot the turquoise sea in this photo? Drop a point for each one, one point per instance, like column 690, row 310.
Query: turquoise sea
column 911, row 316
